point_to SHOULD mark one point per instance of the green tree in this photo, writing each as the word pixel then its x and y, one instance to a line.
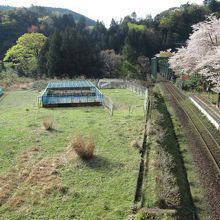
pixel 111 63
pixel 143 66
pixel 116 35
pixel 76 53
pixel 98 36
pixel 129 71
pixel 213 5
pixel 54 61
pixel 70 52
pixel 24 55
pixel 81 24
pixel 42 60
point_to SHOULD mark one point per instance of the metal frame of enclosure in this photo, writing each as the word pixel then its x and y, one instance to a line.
pixel 71 93
pixel 1 91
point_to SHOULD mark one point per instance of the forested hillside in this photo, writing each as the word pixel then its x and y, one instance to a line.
pixel 72 47
pixel 16 21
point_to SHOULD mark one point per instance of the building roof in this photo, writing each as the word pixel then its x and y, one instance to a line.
pixel 216 90
pixel 70 84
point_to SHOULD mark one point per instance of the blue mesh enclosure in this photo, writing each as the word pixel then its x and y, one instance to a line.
pixel 70 92
pixel 1 91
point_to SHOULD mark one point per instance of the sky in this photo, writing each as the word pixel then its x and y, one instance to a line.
pixel 105 10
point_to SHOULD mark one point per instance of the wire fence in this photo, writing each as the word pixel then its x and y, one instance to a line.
pixel 109 105
pixel 137 88
pixel 140 90
pixel 134 87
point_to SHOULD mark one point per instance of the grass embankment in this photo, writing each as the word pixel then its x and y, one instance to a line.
pixel 197 191
pixel 166 185
pixel 212 97
pixel 40 176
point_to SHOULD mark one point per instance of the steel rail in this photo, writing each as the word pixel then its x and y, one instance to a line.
pixel 209 151
pixel 181 96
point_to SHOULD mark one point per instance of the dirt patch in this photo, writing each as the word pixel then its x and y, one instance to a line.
pixel 8 183
pixel 17 83
pixel 24 86
pixel 32 179
pixel 27 155
pixel 45 174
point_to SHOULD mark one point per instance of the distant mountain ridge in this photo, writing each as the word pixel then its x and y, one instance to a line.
pixel 6 7
pixel 49 10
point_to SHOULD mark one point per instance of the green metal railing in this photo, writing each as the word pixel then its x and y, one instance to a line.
pixel 161 65
pixel 164 68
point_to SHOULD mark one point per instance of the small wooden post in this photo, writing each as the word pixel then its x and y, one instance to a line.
pixel 129 109
pixel 112 109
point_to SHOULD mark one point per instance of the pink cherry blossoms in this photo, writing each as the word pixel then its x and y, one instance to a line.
pixel 202 52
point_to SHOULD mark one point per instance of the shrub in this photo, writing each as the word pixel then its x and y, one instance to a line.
pixel 83 146
pixel 48 124
pixel 193 83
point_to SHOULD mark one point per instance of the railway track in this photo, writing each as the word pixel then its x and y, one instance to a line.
pixel 216 112
pixel 211 143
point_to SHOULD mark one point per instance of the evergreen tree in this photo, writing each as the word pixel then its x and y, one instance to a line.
pixel 213 6
pixel 54 62
pixel 81 25
pixel 98 36
pixel 69 52
pixel 116 36
pixel 42 60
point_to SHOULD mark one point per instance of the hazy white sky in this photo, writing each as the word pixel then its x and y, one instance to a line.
pixel 105 10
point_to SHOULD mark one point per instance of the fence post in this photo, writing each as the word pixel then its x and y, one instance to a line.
pixel 112 109
pixel 129 109
pixel 145 102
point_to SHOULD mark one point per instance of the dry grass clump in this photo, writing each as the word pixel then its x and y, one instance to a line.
pixel 48 124
pixel 137 143
pixel 83 146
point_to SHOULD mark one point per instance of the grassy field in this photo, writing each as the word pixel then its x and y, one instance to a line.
pixel 42 178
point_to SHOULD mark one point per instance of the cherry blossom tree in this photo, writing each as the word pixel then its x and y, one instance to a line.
pixel 202 52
